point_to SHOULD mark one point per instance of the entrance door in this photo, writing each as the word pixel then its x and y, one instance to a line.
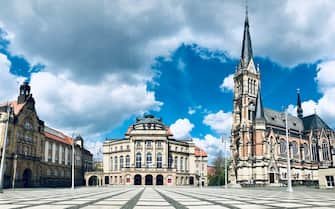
pixel 159 180
pixel 148 180
pixel 137 179
pixel 272 178
pixel 26 177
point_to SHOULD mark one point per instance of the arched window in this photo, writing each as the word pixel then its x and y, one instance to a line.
pixel 159 160
pixel 282 147
pixel 138 160
pixel 314 152
pixel 111 163
pixel 186 164
pixel 181 163
pixel 325 153
pixel 121 162
pixel 149 160
pixel 176 162
pixel 115 163
pixel 127 161
pixel 295 149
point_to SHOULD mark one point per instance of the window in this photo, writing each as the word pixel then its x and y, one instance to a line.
pixel 121 148
pixel 314 152
pixel 330 181
pixel 295 149
pixel 27 125
pixel 138 143
pixel 121 162
pixel 138 160
pixel 306 152
pixel 170 161
pixel 159 144
pixel 127 147
pixel 115 163
pixel 127 161
pixel 181 163
pixel 282 146
pixel 176 162
pixel 186 164
pixel 148 144
pixel 149 160
pixel 111 163
pixel 159 160
pixel 325 153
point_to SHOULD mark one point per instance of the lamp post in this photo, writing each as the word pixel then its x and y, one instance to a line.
pixel 72 180
pixel 289 180
pixel 224 141
pixel 3 157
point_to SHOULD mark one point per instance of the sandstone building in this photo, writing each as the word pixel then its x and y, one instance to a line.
pixel 149 155
pixel 258 135
pixel 37 155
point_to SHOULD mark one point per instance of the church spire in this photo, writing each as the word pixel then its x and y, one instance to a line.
pixel 246 54
pixel 259 105
pixel 299 107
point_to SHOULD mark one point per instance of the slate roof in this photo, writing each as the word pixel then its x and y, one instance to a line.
pixel 275 118
pixel 314 122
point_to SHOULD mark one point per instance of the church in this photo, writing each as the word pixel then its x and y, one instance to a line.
pixel 258 135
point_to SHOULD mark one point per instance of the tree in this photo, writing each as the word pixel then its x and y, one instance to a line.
pixel 218 179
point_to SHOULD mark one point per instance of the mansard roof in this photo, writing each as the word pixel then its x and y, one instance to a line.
pixel 275 118
pixel 314 122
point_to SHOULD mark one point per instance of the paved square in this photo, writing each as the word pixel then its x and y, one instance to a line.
pixel 165 198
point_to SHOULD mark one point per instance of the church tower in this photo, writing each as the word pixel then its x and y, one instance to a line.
pixel 247 101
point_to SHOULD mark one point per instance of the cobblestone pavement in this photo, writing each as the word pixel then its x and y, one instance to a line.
pixel 165 198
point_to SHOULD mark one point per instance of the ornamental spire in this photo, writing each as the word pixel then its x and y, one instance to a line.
pixel 259 105
pixel 299 107
pixel 246 54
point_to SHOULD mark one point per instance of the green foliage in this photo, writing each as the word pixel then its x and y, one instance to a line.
pixel 218 179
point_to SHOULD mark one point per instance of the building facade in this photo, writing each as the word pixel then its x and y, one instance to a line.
pixel 37 155
pixel 149 155
pixel 258 135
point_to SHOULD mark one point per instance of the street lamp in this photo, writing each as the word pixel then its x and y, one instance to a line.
pixel 72 185
pixel 289 180
pixel 224 141
pixel 3 157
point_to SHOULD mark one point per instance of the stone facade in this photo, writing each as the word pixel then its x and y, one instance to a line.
pixel 258 136
pixel 148 155
pixel 37 155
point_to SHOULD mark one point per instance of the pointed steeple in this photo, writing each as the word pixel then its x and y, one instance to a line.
pixel 299 107
pixel 259 106
pixel 246 54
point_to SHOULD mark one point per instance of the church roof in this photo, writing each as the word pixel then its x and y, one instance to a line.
pixel 314 122
pixel 16 107
pixel 275 118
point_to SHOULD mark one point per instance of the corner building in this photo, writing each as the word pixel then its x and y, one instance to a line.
pixel 149 155
pixel 258 135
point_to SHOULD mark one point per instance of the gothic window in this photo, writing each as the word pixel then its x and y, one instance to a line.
pixel 121 162
pixel 314 152
pixel 27 125
pixel 138 160
pixel 115 163
pixel 127 161
pixel 295 149
pixel 159 160
pixel 325 151
pixel 149 160
pixel 282 147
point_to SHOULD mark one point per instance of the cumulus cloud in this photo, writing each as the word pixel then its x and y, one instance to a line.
pixel 227 83
pixel 8 82
pixel 181 129
pixel 220 122
pixel 326 84
pixel 89 109
pixel 212 145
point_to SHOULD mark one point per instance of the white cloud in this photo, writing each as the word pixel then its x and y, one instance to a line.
pixel 192 110
pixel 95 147
pixel 89 109
pixel 228 83
pixel 8 82
pixel 326 84
pixel 220 122
pixel 182 128
pixel 212 146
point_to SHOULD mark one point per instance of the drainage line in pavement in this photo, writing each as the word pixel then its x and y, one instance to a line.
pixel 173 202
pixel 133 201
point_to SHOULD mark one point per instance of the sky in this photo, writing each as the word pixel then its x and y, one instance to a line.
pixel 94 66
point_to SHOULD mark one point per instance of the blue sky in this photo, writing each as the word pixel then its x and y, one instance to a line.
pixel 94 77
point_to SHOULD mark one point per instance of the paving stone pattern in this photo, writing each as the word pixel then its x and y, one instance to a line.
pixel 165 198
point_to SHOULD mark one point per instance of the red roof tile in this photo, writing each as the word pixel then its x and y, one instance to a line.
pixel 198 152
